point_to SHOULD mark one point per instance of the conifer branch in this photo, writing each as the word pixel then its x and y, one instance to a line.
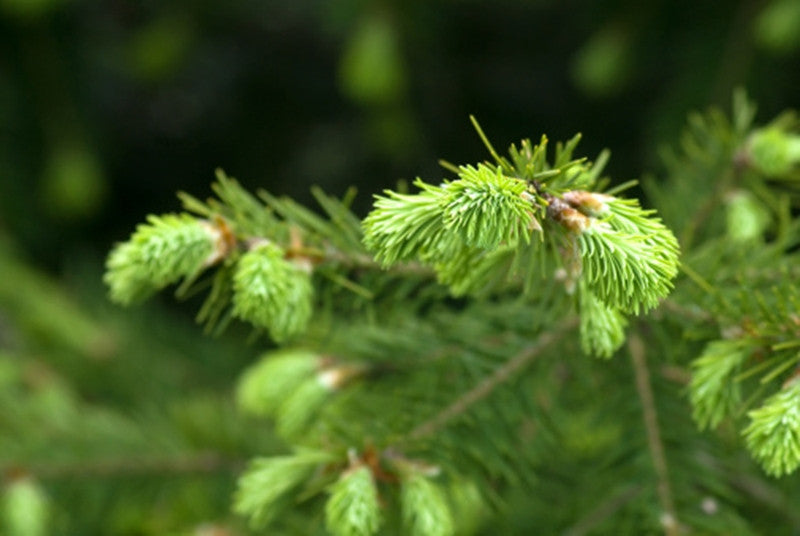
pixel 463 403
pixel 637 350
pixel 203 462
pixel 604 510
pixel 528 236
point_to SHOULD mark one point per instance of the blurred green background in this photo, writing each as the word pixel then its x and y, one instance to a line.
pixel 108 108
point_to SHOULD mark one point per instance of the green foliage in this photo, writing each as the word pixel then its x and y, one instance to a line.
pixel 25 508
pixel 602 328
pixel 265 487
pixel 746 217
pixel 268 383
pixel 353 508
pixel 158 254
pixel 628 257
pixel 624 270
pixel 774 151
pixel 425 508
pixel 404 226
pixel 490 388
pixel 773 435
pixel 123 420
pixel 299 408
pixel 487 209
pixel 713 392
pixel 272 292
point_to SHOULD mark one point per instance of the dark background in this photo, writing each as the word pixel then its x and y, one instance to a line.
pixel 108 108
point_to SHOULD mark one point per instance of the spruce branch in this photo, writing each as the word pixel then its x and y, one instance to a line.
pixel 624 270
pixel 402 226
pixel 464 402
pixel 201 462
pixel 596 253
pixel 713 392
pixel 773 435
pixel 602 328
pixel 353 508
pixel 272 292
pixel 487 208
pixel 25 508
pixel 425 507
pixel 264 488
pixel 266 385
pixel 159 253
pixel 775 152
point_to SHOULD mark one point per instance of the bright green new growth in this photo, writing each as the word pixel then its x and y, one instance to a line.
pixel 712 391
pixel 774 151
pixel 24 508
pixel 267 384
pixel 272 292
pixel 746 218
pixel 602 327
pixel 629 257
pixel 486 208
pixel 299 408
pixel 626 271
pixel 475 233
pixel 353 509
pixel 773 435
pixel 267 482
pixel 158 254
pixel 405 226
pixel 424 506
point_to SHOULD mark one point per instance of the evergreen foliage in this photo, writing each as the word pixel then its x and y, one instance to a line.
pixel 773 434
pixel 425 508
pixel 353 508
pixel 272 292
pixel 411 412
pixel 268 481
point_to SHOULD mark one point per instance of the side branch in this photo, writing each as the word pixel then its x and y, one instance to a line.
pixel 203 462
pixel 485 388
pixel 637 351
